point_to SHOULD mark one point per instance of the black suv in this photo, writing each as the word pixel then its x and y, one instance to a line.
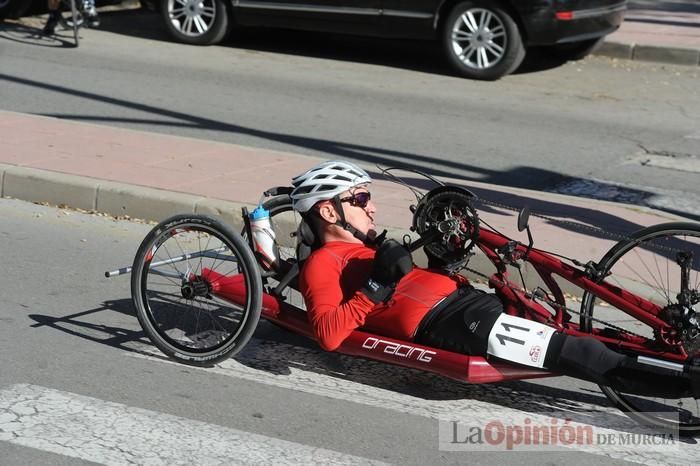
pixel 482 39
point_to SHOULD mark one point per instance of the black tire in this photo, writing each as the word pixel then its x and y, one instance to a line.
pixel 14 9
pixel 487 53
pixel 194 327
pixel 576 50
pixel 649 251
pixel 194 25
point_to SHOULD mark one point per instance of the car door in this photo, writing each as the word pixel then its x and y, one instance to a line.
pixel 353 16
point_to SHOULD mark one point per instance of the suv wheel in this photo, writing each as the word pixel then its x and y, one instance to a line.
pixel 197 22
pixel 482 41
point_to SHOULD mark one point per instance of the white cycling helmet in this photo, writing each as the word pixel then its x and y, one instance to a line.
pixel 325 181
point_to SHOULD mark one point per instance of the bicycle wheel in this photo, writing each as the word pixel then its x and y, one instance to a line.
pixel 172 290
pixel 285 222
pixel 648 265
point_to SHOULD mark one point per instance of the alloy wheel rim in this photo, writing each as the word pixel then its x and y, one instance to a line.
pixel 192 17
pixel 479 38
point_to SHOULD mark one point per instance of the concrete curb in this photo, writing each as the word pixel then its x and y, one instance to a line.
pixel 650 53
pixel 117 199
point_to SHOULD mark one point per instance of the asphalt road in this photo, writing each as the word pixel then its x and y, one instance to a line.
pixel 599 127
pixel 79 382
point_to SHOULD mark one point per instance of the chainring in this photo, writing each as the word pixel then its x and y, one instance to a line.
pixel 446 216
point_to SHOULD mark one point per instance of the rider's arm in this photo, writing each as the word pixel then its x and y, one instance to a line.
pixel 332 317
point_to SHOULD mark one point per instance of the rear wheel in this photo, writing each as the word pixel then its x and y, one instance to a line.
pixel 197 22
pixel 482 41
pixel 171 287
pixel 649 265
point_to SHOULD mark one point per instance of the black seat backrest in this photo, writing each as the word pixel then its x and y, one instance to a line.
pixel 306 241
pixel 306 244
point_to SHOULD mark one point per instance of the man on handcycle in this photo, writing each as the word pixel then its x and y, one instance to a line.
pixel 348 284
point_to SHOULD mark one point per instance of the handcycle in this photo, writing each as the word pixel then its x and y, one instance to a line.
pixel 199 288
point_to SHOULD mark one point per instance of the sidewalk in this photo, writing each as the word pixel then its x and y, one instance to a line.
pixel 152 176
pixel 665 31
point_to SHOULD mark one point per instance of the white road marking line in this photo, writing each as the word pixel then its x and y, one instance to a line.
pixel 115 434
pixel 381 385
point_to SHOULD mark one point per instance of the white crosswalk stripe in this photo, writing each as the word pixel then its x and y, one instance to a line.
pixel 389 387
pixel 116 434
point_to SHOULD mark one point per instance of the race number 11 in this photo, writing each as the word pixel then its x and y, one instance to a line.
pixel 519 340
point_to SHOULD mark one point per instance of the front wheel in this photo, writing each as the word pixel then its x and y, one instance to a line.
pixel 173 283
pixel 662 265
pixel 482 41
pixel 196 22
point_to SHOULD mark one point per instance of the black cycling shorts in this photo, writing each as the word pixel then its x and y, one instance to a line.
pixel 461 322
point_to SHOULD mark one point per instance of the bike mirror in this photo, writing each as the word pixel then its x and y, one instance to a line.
pixel 523 218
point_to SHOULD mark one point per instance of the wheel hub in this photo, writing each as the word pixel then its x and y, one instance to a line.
pixel 197 287
pixel 194 8
pixel 686 323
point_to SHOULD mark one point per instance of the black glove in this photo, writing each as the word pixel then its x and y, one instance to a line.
pixel 391 262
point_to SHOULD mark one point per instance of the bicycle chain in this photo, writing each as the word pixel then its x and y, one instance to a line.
pixel 575 225
pixel 552 303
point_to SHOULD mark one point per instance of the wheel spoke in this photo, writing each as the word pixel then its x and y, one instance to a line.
pixel 460 35
pixel 485 20
pixel 498 31
pixel 470 21
pixel 201 24
pixel 483 58
pixel 467 53
pixel 495 49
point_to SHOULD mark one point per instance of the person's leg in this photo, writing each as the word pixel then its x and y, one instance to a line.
pixel 54 15
pixel 588 359
pixel 475 324
pixel 581 357
pixel 93 19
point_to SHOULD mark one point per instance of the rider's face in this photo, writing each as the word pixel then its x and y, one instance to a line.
pixel 359 209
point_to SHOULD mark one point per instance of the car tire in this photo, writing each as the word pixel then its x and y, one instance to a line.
pixel 196 22
pixel 482 41
pixel 576 50
pixel 14 8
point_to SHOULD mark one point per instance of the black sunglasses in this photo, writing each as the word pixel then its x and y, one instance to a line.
pixel 360 199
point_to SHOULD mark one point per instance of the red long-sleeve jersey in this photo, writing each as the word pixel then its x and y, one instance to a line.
pixel 330 282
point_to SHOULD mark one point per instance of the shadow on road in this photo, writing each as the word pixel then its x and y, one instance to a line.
pixel 21 33
pixel 278 352
pixel 524 177
pixel 80 325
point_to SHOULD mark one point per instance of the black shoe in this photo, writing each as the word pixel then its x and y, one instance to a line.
pixel 93 20
pixel 50 27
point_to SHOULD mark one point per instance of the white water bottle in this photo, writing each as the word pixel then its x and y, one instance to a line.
pixel 263 236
